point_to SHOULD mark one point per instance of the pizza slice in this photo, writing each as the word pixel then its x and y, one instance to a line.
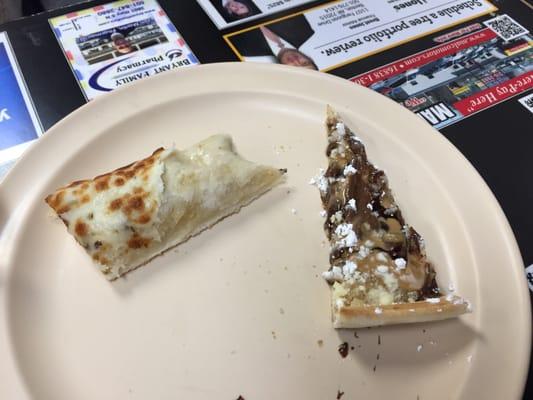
pixel 379 273
pixel 128 216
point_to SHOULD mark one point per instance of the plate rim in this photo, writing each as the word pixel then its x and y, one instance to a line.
pixel 10 367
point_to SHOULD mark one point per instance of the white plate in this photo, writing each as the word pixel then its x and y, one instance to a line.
pixel 239 310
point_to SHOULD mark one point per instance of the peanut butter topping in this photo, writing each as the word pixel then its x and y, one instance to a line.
pixel 375 257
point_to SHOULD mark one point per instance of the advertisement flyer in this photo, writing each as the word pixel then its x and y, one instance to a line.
pixel 114 44
pixel 226 13
pixel 19 124
pixel 451 81
pixel 342 32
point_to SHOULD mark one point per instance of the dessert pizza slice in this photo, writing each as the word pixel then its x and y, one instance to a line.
pixel 379 271
pixel 128 216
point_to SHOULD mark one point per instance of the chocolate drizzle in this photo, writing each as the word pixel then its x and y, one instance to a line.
pixel 381 231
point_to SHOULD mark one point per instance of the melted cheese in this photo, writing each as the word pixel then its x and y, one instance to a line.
pixel 126 217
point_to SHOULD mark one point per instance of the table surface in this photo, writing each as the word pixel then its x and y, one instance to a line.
pixel 497 143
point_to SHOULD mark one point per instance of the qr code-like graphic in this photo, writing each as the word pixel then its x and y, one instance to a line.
pixel 527 102
pixel 506 27
pixel 529 276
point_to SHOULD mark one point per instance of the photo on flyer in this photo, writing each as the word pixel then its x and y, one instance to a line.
pixel 339 33
pixel 227 13
pixel 114 44
pixel 124 39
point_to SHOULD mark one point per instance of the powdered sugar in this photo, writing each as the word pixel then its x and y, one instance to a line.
pixel 346 235
pixel 363 252
pixel 433 300
pixel 349 170
pixel 320 181
pixel 333 275
pixel 382 269
pixel 400 263
pixel 336 218
pixel 351 204
pixel 349 268
pixel 341 129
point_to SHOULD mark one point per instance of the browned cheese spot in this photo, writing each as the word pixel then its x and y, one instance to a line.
pixel 81 228
pixel 126 173
pixel 63 209
pixel 144 219
pixel 99 258
pixel 135 203
pixel 119 182
pixel 48 199
pixel 115 204
pixel 130 170
pixel 55 200
pixel 139 166
pixel 136 242
pixel 76 183
pixel 101 183
pixel 159 150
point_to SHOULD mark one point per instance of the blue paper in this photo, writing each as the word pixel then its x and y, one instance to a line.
pixel 16 125
pixel 19 124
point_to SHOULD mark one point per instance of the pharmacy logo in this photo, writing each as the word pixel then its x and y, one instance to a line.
pixel 174 53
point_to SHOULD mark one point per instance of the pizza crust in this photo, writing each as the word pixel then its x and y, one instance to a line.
pixel 392 314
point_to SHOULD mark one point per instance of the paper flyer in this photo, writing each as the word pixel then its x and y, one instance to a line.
pixel 19 124
pixel 342 32
pixel 457 79
pixel 112 45
pixel 226 13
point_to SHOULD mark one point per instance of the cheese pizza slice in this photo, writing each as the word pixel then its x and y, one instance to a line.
pixel 379 273
pixel 128 216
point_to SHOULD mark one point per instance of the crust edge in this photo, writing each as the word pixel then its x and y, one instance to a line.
pixel 401 313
